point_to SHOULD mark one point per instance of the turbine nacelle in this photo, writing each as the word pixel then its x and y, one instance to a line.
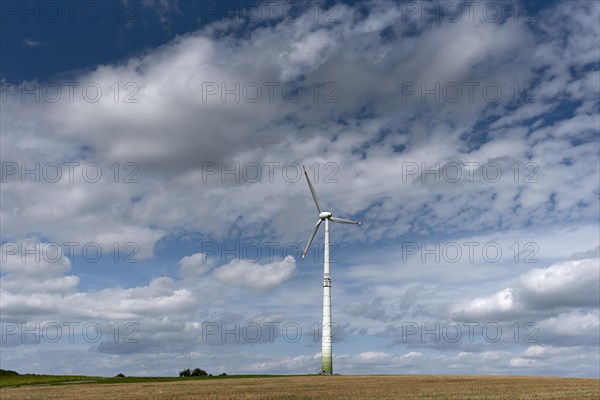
pixel 325 214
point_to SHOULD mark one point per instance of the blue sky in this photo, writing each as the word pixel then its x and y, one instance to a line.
pixel 154 211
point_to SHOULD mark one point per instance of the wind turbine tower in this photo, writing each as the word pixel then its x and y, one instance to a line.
pixel 326 350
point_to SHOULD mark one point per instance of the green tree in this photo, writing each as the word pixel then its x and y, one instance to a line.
pixel 199 372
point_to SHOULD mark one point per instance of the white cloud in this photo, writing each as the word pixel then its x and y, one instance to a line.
pixel 573 328
pixel 32 258
pixel 571 284
pixel 254 276
pixel 495 305
pixel 574 283
pixel 194 266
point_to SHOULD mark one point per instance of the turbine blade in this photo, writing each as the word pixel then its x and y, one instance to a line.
pixel 312 236
pixel 312 190
pixel 344 221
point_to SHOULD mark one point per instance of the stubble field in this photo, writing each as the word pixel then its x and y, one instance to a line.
pixel 322 387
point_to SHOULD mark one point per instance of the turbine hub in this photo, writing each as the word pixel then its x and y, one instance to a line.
pixel 325 215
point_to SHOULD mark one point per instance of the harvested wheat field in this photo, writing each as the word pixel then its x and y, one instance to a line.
pixel 322 387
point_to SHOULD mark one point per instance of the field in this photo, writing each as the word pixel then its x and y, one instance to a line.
pixel 34 379
pixel 319 387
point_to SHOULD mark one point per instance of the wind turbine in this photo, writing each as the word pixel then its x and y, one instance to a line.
pixel 326 353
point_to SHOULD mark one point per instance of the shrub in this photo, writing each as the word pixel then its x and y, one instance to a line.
pixel 119 376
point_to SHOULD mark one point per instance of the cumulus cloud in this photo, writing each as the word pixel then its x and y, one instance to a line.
pixel 32 258
pixel 570 284
pixel 255 277
pixel 52 293
pixel 194 266
pixel 574 283
pixel 495 305
pixel 573 328
pixel 42 269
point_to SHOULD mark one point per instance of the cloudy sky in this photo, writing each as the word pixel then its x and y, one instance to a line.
pixel 153 209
